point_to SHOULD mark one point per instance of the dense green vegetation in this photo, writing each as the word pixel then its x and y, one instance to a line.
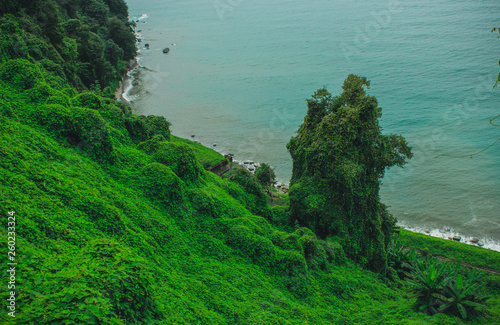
pixel 440 285
pixel 118 222
pixel 86 43
pixel 339 157
pixel 478 256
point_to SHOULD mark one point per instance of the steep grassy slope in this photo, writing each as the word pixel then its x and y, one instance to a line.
pixel 118 225
pixel 116 220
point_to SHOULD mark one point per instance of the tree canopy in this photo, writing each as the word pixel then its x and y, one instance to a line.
pixel 339 157
pixel 86 43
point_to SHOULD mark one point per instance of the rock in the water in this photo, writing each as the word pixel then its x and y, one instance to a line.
pixel 474 240
pixel 192 136
pixel 166 50
pixel 146 45
pixel 457 238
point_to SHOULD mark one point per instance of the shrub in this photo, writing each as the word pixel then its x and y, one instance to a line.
pixel 157 125
pixel 265 175
pixel 314 253
pixel 400 258
pixel 90 133
pixel 151 146
pixel 87 100
pixel 204 203
pixel 254 199
pixel 440 286
pixel 291 267
pixel 180 158
pixel 39 93
pixel 142 128
pixel 161 184
pixel 55 118
pixel 20 74
pixel 259 248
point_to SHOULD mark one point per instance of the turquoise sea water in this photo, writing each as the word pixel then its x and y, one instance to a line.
pixel 239 71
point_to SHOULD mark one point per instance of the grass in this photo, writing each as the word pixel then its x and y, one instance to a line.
pixel 206 156
pixel 477 256
pixel 134 233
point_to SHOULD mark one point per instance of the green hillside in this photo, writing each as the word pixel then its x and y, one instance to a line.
pixel 118 222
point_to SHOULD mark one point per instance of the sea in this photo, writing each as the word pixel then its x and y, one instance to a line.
pixel 238 73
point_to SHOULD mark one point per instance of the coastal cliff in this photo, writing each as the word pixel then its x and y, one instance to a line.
pixel 111 219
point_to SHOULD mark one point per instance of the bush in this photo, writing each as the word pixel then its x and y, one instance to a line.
pixel 291 267
pixel 254 199
pixel 265 175
pixel 259 248
pixel 180 158
pixel 55 118
pixel 157 125
pixel 440 286
pixel 20 74
pixel 142 128
pixel 90 133
pixel 161 184
pixel 151 146
pixel 87 100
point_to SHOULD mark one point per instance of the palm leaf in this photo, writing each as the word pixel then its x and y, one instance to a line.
pixel 462 311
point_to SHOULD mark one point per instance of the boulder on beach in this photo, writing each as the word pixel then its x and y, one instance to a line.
pixel 474 240
pixel 166 50
pixel 457 238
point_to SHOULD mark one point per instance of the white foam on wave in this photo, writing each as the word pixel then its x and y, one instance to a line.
pixel 129 82
pixel 448 233
pixel 144 16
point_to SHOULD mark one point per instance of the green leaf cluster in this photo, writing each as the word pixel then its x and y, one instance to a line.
pixel 444 287
pixel 86 43
pixel 339 157
pixel 118 223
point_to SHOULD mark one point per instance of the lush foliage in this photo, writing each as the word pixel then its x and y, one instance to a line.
pixel 440 286
pixel 118 223
pixel 265 175
pixel 453 250
pixel 339 156
pixel 148 237
pixel 86 43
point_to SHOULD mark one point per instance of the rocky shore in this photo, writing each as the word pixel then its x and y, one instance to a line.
pixel 126 81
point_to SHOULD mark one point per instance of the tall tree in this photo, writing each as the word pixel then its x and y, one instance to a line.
pixel 339 157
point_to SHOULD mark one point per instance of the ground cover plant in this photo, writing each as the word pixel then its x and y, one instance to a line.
pixel 118 222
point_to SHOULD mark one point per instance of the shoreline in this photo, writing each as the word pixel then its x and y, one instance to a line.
pixel 444 233
pixel 126 82
pixel 451 235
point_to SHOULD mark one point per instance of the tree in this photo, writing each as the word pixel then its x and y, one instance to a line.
pixel 339 157
pixel 265 175
pixel 123 36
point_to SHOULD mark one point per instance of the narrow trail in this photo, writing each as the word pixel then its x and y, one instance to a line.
pixel 486 269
